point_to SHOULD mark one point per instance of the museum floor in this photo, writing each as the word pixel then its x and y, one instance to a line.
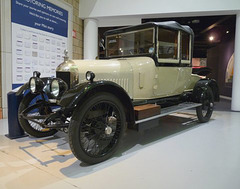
pixel 179 154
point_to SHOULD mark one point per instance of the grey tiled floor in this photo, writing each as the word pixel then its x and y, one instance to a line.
pixel 179 154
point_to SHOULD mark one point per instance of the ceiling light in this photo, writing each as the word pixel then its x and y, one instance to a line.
pixel 211 38
pixel 227 31
pixel 195 21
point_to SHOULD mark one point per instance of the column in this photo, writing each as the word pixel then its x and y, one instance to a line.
pixel 236 74
pixel 6 52
pixel 90 38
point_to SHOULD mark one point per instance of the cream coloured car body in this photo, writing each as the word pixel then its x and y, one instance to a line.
pixel 139 76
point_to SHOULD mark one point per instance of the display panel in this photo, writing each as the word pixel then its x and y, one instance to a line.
pixel 39 38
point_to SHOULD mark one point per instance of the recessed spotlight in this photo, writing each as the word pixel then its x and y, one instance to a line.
pixel 196 21
pixel 227 31
pixel 211 38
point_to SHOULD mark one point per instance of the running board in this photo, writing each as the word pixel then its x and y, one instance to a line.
pixel 152 121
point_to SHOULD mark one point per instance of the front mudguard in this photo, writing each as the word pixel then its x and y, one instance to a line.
pixel 76 96
pixel 202 85
pixel 22 89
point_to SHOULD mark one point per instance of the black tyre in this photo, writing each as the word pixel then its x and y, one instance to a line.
pixel 96 128
pixel 204 112
pixel 30 127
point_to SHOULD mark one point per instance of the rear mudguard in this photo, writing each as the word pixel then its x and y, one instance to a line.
pixel 203 84
pixel 76 96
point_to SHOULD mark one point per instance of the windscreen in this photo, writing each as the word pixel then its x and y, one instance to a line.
pixel 130 43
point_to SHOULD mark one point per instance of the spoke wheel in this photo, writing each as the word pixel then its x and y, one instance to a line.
pixel 96 128
pixel 31 127
pixel 204 112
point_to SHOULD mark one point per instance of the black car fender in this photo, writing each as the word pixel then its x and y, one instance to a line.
pixel 22 89
pixel 80 93
pixel 203 84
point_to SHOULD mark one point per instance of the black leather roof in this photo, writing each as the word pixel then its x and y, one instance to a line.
pixel 169 24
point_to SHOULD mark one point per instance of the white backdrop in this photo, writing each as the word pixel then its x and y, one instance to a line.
pixel 149 8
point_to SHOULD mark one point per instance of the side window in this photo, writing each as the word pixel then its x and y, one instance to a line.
pixel 168 45
pixel 185 47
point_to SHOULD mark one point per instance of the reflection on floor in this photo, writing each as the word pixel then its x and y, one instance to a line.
pixel 180 153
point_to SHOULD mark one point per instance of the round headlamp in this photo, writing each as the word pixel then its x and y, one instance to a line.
pixel 90 76
pixel 58 87
pixel 35 84
pixel 32 85
pixel 55 89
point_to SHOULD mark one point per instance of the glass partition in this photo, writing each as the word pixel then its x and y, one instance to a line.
pixel 167 44
pixel 131 43
pixel 185 47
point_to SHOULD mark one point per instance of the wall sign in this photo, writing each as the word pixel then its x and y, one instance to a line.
pixel 74 34
pixel 229 70
pixel 39 38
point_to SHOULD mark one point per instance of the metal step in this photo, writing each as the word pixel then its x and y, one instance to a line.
pixel 170 110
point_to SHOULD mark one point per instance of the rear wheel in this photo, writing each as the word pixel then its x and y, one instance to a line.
pixel 30 127
pixel 96 128
pixel 204 112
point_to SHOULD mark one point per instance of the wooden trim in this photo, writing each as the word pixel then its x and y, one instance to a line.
pixel 147 110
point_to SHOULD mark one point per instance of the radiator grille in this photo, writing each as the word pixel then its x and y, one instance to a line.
pixel 65 76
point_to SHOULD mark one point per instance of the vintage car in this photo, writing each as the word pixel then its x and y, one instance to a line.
pixel 146 73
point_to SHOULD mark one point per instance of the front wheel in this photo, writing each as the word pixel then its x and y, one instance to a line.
pixel 31 127
pixel 204 112
pixel 96 128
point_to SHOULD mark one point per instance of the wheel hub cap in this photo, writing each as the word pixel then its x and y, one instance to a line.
pixel 211 104
pixel 108 130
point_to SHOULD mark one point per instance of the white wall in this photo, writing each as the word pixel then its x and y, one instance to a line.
pixel 118 21
pixel 6 44
pixel 151 8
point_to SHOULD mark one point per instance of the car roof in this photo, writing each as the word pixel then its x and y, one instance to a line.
pixel 168 25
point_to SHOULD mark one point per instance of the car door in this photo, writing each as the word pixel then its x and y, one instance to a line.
pixel 166 78
pixel 185 69
pixel 167 70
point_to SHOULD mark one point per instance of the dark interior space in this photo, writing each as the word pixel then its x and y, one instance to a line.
pixel 213 45
pixel 218 60
pixel 221 28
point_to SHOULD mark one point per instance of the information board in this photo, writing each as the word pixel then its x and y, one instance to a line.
pixel 39 38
